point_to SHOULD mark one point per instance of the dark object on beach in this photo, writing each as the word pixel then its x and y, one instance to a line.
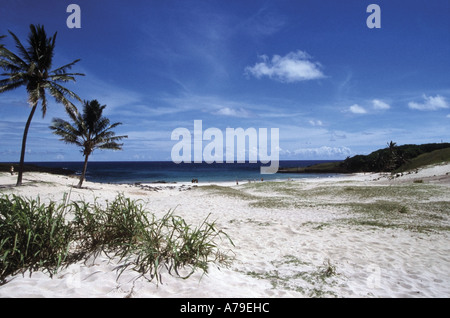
pixel 12 170
pixel 194 181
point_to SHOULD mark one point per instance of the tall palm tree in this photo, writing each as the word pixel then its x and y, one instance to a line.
pixel 32 68
pixel 89 130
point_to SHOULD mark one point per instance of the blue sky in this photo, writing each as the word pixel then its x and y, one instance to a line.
pixel 313 69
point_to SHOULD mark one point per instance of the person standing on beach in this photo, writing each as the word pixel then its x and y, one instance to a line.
pixel 12 170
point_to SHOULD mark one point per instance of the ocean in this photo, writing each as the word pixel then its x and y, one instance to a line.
pixel 167 171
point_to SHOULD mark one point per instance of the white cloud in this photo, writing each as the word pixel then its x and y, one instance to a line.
pixel 316 123
pixel 227 111
pixel 323 152
pixel 293 67
pixel 448 116
pixel 431 103
pixel 380 105
pixel 356 109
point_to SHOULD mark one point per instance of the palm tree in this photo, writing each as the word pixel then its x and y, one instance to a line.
pixel 89 130
pixel 391 145
pixel 32 69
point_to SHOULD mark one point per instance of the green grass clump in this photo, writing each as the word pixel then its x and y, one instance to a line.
pixel 36 236
pixel 33 236
pixel 117 226
pixel 171 242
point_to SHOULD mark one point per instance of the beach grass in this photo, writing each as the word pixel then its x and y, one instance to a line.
pixel 292 273
pixel 36 236
pixel 33 235
pixel 356 206
pixel 430 158
pixel 412 206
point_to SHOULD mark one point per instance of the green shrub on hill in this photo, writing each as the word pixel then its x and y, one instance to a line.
pixel 390 159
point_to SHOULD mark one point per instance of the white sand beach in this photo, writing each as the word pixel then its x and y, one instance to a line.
pixel 362 235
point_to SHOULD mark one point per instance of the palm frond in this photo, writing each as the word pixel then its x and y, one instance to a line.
pixel 41 49
pixel 73 113
pixel 10 61
pixel 14 76
pixel 66 131
pixel 117 138
pixel 61 94
pixel 67 77
pixel 100 125
pixel 62 70
pixel 21 48
pixel 111 146
pixel 114 125
pixel 9 86
pixel 61 91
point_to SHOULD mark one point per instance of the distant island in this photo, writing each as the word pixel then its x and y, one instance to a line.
pixel 392 159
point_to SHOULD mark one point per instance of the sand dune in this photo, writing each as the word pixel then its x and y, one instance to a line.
pixel 334 237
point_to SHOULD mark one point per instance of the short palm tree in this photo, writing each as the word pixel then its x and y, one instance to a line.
pixel 89 130
pixel 32 68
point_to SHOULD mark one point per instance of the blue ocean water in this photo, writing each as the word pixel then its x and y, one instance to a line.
pixel 167 171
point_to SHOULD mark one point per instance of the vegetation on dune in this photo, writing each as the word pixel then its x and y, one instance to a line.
pixel 32 236
pixel 416 206
pixel 346 206
pixel 36 236
pixel 428 158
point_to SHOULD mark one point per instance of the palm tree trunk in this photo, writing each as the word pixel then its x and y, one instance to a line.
pixel 84 171
pixel 24 143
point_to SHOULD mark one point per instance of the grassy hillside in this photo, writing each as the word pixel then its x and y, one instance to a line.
pixel 429 158
pixel 390 159
pixel 327 167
